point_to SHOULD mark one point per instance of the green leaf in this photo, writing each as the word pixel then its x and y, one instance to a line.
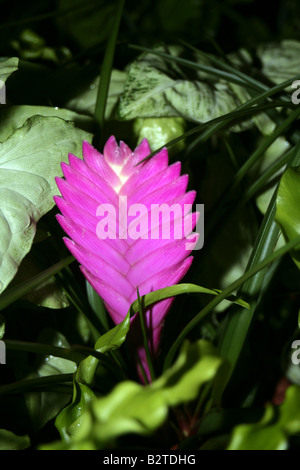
pixel 14 117
pixel 288 207
pixel 10 441
pixel 197 364
pixel 26 287
pixel 44 406
pixel 272 154
pixel 224 259
pixel 113 338
pixel 106 70
pixel 47 294
pixel 158 85
pixel 280 61
pixel 242 59
pixel 7 67
pixel 160 131
pixel 97 306
pixel 29 161
pixel 70 421
pixel 179 289
pixel 123 410
pixel 157 89
pixel 275 428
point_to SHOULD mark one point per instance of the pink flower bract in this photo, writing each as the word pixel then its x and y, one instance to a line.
pixel 116 267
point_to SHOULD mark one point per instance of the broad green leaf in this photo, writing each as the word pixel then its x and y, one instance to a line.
pixel 133 408
pixel 13 117
pixel 157 88
pixel 280 61
pixel 288 207
pixel 10 441
pixel 275 428
pixel 258 436
pixel 7 67
pixel 29 161
pixel 43 406
pixel 123 411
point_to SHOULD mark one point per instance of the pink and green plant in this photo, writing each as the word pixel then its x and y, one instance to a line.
pixel 116 266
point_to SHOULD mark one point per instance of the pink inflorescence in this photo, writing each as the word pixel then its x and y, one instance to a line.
pixel 119 264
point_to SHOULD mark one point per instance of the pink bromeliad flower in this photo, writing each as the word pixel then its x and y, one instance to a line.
pixel 130 226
